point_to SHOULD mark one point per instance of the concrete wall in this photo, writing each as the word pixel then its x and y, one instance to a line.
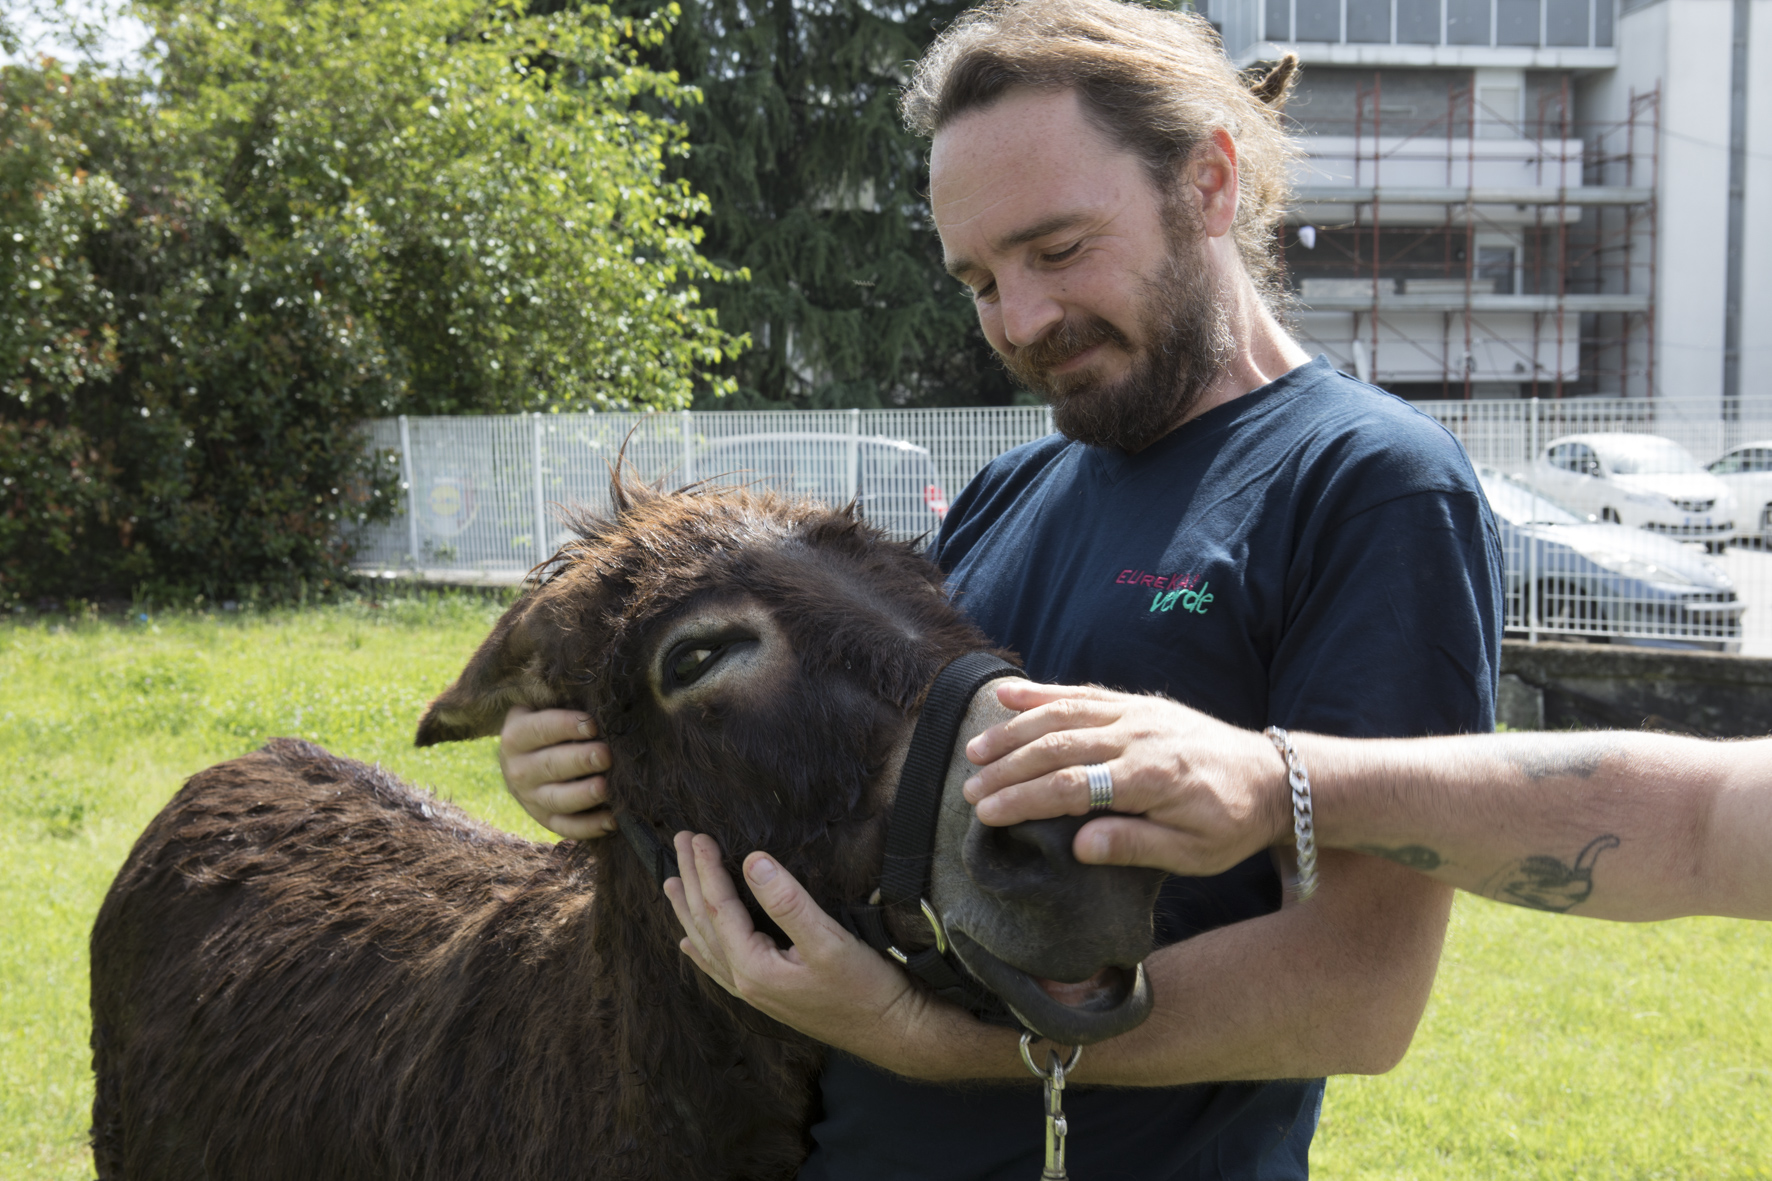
pixel 1756 288
pixel 1609 687
pixel 1683 45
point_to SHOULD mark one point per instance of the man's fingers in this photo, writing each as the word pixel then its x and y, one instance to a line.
pixel 1065 792
pixel 579 826
pixel 564 799
pixel 1040 740
pixel 559 763
pixel 1132 840
pixel 688 896
pixel 1022 695
pixel 1039 719
pixel 783 899
pixel 1049 755
pixel 527 730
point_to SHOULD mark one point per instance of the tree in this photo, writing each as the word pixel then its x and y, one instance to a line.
pixel 817 191
pixel 316 213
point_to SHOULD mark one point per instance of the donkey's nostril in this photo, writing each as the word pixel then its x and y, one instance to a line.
pixel 1021 859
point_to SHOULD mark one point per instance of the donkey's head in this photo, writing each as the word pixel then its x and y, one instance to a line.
pixel 757 666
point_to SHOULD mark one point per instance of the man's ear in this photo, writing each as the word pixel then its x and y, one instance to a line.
pixel 508 669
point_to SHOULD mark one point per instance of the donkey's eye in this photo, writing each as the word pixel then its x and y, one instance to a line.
pixel 688 665
pixel 700 653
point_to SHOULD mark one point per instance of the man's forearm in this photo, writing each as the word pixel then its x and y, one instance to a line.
pixel 1623 825
pixel 1330 987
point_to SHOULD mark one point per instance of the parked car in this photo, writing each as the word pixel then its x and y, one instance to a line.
pixel 1643 481
pixel 895 481
pixel 1747 473
pixel 1603 580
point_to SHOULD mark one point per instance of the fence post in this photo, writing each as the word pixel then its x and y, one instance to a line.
pixel 406 474
pixel 541 515
pixel 852 453
pixel 1530 598
pixel 688 422
pixel 1045 420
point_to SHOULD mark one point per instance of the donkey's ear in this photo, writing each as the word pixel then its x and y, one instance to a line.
pixel 1273 87
pixel 509 669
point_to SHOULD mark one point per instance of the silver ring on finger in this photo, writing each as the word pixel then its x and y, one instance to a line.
pixel 1101 787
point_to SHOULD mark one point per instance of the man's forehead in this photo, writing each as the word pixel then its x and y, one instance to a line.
pixel 1029 165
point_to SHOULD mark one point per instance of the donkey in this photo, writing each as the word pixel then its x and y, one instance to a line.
pixel 307 968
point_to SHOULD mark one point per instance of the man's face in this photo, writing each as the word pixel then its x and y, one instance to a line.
pixel 1089 281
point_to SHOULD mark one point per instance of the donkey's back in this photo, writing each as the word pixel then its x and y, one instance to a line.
pixel 292 942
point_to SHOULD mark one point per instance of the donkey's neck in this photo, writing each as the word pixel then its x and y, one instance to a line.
pixel 697 1079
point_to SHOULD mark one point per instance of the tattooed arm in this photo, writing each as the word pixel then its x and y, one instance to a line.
pixel 1623 825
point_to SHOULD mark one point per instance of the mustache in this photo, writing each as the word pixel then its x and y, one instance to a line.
pixel 1032 362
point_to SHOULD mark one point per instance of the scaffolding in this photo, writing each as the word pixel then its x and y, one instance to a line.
pixel 1477 249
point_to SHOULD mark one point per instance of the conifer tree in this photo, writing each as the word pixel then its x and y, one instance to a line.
pixel 818 191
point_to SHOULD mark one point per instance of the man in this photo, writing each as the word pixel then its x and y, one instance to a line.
pixel 1224 521
pixel 1628 826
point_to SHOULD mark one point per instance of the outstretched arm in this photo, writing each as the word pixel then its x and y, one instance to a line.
pixel 1621 825
pixel 1331 987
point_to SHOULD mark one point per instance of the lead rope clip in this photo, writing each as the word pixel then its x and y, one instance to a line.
pixel 1056 1128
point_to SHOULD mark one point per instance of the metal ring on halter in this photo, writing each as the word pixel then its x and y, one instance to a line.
pixel 935 925
pixel 1063 1068
pixel 1101 787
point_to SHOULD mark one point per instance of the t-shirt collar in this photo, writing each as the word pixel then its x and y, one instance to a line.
pixel 1114 463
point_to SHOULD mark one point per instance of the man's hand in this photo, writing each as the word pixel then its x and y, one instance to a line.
pixel 828 985
pixel 554 772
pixel 1200 796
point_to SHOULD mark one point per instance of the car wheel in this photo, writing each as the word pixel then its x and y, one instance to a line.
pixel 1611 514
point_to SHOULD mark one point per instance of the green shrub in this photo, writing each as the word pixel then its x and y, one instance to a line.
pixel 314 214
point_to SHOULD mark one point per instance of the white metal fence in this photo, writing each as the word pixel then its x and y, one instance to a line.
pixel 1637 555
pixel 481 492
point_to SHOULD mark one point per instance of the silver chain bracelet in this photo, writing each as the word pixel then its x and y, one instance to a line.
pixel 1304 831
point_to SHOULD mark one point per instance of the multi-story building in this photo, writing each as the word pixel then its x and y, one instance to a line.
pixel 1530 197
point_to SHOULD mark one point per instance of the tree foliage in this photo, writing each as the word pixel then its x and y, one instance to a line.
pixel 819 193
pixel 315 213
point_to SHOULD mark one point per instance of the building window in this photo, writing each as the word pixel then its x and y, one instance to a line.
pixel 1418 22
pixel 1279 20
pixel 1319 20
pixel 1467 22
pixel 1565 22
pixel 1369 22
pixel 1495 269
pixel 1516 22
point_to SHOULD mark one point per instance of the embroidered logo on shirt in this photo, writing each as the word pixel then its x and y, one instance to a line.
pixel 1186 591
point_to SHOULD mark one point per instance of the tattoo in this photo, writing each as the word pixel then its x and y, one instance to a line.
pixel 1418 857
pixel 1545 883
pixel 1554 761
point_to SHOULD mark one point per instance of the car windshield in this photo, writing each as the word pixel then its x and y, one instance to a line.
pixel 1646 455
pixel 1515 502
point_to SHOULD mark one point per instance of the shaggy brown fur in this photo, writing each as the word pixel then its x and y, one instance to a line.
pixel 307 969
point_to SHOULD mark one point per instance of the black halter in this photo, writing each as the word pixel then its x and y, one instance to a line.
pixel 910 840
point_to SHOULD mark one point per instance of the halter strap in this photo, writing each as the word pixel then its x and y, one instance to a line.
pixel 910 837
pixel 654 853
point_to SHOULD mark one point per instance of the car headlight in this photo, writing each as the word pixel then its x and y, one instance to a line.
pixel 1632 566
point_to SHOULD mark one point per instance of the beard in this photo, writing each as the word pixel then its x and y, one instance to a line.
pixel 1187 346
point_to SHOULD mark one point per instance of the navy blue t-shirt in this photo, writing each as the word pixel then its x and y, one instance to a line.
pixel 1316 554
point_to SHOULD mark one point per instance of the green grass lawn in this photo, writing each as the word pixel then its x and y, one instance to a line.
pixel 1553 1047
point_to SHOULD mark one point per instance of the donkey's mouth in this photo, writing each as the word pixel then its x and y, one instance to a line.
pixel 1107 1004
pixel 1104 990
